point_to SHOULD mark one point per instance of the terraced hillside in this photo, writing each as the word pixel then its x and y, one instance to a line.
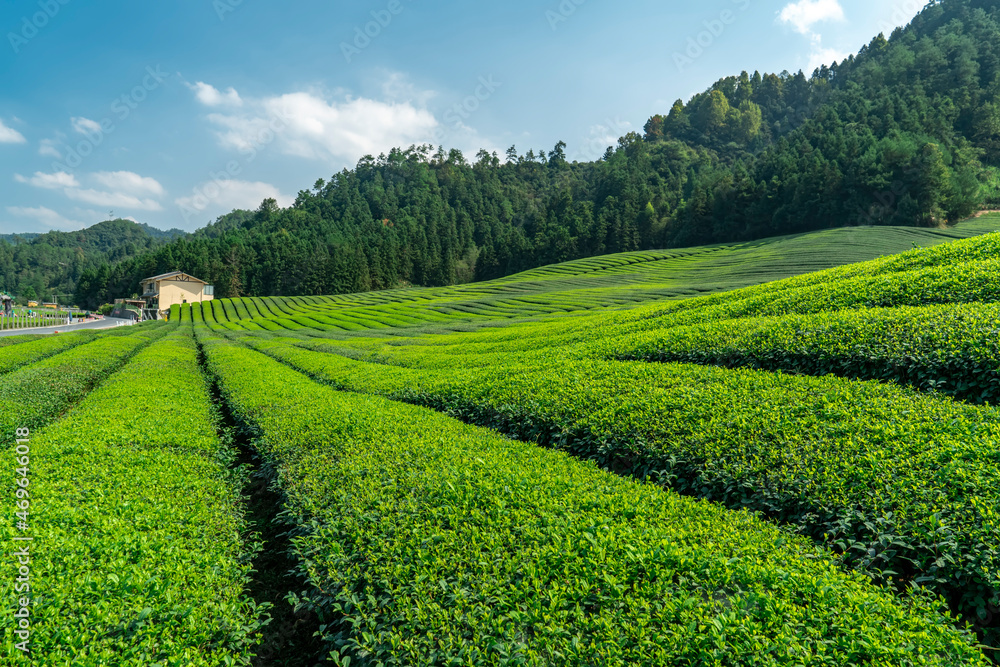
pixel 751 454
pixel 597 283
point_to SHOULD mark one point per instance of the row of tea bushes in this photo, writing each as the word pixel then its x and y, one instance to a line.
pixel 37 394
pixel 954 349
pixel 907 485
pixel 6 341
pixel 31 351
pixel 969 282
pixel 426 541
pixel 138 557
pixel 925 263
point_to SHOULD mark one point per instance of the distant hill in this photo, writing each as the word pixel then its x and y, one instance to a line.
pixel 18 238
pixel 905 132
pixel 39 265
pixel 170 234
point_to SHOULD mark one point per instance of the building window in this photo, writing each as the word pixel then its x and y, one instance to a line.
pixel 209 290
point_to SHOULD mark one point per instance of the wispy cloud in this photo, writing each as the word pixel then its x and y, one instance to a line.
pixel 129 182
pixel 114 199
pixel 311 125
pixel 48 148
pixel 86 126
pixel 60 179
pixel 9 135
pixel 802 16
pixel 123 189
pixel 222 196
pixel 46 217
pixel 211 96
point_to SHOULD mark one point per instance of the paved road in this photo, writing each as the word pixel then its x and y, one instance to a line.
pixel 106 323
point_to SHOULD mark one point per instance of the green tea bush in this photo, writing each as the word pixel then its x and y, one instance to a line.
pixel 22 355
pixel 425 541
pixel 138 558
pixel 37 394
pixel 906 485
pixel 954 349
pixel 7 341
pixel 969 282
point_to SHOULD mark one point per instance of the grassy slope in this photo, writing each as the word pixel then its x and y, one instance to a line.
pixel 598 283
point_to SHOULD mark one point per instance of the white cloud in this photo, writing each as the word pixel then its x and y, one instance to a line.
pixel 210 96
pixel 803 15
pixel 601 136
pixel 222 196
pixel 60 179
pixel 821 56
pixel 48 147
pixel 244 133
pixel 114 199
pixel 86 126
pixel 9 135
pixel 129 183
pixel 46 217
pixel 125 189
pixel 316 126
pixel 398 88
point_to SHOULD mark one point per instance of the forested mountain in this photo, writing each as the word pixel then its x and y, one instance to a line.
pixel 40 265
pixel 905 132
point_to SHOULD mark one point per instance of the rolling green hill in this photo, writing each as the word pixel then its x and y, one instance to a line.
pixel 758 449
pixel 37 266
pixel 620 280
pixel 731 396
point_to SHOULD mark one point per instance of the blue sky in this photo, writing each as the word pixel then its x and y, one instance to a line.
pixel 172 113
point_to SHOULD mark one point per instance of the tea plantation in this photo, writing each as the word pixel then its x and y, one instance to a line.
pixel 776 453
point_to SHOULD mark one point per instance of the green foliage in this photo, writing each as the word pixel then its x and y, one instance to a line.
pixel 632 278
pixel 857 465
pixel 6 341
pixel 39 265
pixel 37 394
pixel 138 558
pixel 36 350
pixel 953 349
pixel 424 541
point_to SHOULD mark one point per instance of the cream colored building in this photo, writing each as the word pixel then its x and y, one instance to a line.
pixel 161 292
